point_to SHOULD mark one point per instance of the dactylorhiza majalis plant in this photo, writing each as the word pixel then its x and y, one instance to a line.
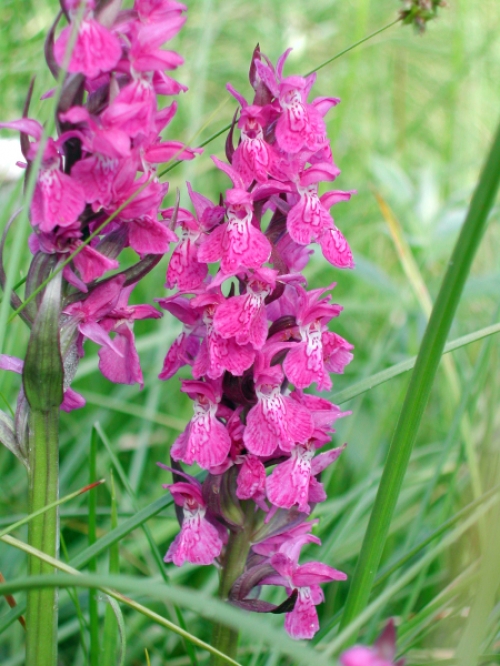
pixel 96 193
pixel 256 338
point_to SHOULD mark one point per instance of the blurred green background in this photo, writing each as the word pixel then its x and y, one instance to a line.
pixel 417 115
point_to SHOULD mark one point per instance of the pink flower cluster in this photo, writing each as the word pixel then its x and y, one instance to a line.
pixel 256 338
pixel 104 164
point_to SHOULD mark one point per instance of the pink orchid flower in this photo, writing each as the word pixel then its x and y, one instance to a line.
pixel 206 440
pixel 302 621
pixel 198 542
pixel 244 317
pixel 58 199
pixel 96 49
pixel 276 421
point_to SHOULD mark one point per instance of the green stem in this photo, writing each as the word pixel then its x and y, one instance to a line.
pixel 224 638
pixel 41 619
pixel 420 386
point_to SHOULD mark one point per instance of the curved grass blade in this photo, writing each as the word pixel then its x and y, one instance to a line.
pixel 412 552
pixel 99 547
pixel 200 603
pixel 404 366
pixel 420 386
pixel 26 519
pixel 22 232
pixel 92 538
pixel 118 616
pixel 149 536
pixel 350 631
pixel 110 619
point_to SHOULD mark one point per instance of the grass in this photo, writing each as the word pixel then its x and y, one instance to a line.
pixel 416 120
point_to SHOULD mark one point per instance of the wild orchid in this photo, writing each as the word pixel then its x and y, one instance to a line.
pixel 255 337
pixel 97 191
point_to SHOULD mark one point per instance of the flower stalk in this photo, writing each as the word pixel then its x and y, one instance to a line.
pixel 224 638
pixel 43 388
pixel 41 619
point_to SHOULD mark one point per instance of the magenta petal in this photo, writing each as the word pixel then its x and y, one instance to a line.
pixel 302 622
pixel 265 429
pixel 91 264
pixel 299 422
pixel 95 175
pixel 182 352
pixel 336 351
pixel 300 369
pixel 11 363
pixel 314 573
pixel 72 400
pixel 334 197
pixel 217 355
pixel 307 219
pixel 359 655
pixel 293 128
pixel 184 269
pixel 198 541
pixel 251 478
pixel 25 126
pixel 210 249
pixel 245 246
pixel 206 440
pixel 147 236
pixel 242 317
pixel 335 248
pixel 96 49
pixel 120 363
pixel 58 200
pixel 324 460
pixel 99 335
pixel 289 482
pixel 164 152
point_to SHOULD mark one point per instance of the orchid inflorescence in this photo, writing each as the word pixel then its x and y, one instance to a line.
pixel 252 329
pixel 254 335
pixel 99 180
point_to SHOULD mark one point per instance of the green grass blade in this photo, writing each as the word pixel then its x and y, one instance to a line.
pixel 404 366
pixel 92 537
pixel 123 478
pixel 110 621
pixel 122 531
pixel 101 583
pixel 420 385
pixel 117 615
pixel 353 46
pixel 412 552
pixel 129 408
pixel 99 547
pixel 254 627
pixel 349 631
pixel 73 595
pixel 152 544
pixel 469 647
pixel 26 519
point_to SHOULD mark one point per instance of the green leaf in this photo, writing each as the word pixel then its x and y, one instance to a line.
pixel 420 386
pixel 43 367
